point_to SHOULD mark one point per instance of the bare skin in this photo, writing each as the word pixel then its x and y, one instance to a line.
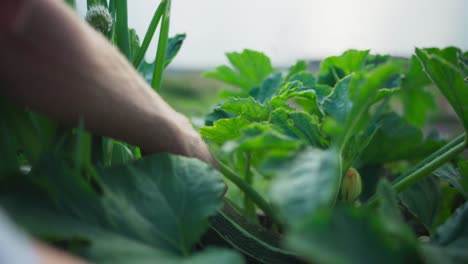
pixel 54 63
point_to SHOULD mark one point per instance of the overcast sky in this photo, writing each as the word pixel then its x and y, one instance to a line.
pixel 290 29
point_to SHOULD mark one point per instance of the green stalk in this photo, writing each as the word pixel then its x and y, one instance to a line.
pixel 433 156
pixel 162 47
pixel 149 34
pixel 112 11
pixel 428 165
pixel 254 196
pixel 123 41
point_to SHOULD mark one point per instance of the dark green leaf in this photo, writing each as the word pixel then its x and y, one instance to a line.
pixel 452 237
pixel 173 46
pixel 388 208
pixel 364 88
pixel 349 236
pixel 417 102
pixel 395 140
pixel 160 201
pixel 306 183
pixel 97 243
pixel 390 214
pixel 338 104
pixel 449 174
pixel 268 88
pixel 299 125
pixel 306 78
pixel 423 200
pixel 441 67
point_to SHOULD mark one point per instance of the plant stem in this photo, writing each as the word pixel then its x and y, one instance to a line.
pixel 248 205
pixel 425 167
pixel 254 196
pixel 429 167
pixel 162 47
pixel 123 41
pixel 149 34
pixel 434 155
pixel 113 12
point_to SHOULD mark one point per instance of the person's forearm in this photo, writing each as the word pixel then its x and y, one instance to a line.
pixel 54 63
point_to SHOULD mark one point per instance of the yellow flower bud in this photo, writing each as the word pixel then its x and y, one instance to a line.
pixel 351 186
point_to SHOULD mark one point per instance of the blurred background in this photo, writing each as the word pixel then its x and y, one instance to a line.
pixel 291 30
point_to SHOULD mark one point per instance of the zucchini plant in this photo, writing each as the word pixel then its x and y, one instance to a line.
pixel 330 166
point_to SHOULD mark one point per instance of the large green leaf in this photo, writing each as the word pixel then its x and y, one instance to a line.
pixel 224 129
pixel 96 243
pixel 268 88
pixel 441 67
pixel 423 200
pixel 449 174
pixel 160 201
pixel 348 235
pixel 249 69
pixel 334 68
pixel 417 102
pixel 248 108
pixel 452 236
pixel 363 90
pixel 293 95
pixel 300 125
pixel 390 213
pixel 167 199
pixel 356 235
pixel 338 104
pixel 306 183
pixel 396 140
pixel 262 138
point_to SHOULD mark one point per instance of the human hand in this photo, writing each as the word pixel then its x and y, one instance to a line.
pixel 55 63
